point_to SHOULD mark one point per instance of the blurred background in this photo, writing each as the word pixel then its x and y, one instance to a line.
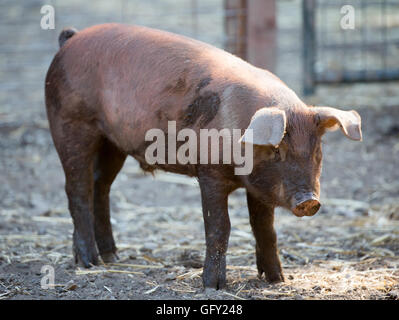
pixel 349 250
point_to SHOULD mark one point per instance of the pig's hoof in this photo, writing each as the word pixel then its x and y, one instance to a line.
pixel 210 287
pixel 109 257
pixel 214 275
pixel 214 282
pixel 275 278
pixel 86 262
pixel 86 259
pixel 271 277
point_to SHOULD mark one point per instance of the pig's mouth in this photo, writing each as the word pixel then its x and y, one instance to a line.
pixel 306 206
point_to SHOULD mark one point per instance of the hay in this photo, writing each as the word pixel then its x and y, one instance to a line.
pixel 137 266
pixel 80 272
pixel 233 295
pixel 151 290
pixel 183 290
pixel 352 284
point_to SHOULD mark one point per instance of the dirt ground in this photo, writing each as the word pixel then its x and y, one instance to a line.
pixel 349 250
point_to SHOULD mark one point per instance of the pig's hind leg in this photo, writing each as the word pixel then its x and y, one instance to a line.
pixel 77 143
pixel 261 218
pixel 108 162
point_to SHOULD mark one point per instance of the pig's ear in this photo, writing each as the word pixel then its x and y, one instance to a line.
pixel 348 121
pixel 267 127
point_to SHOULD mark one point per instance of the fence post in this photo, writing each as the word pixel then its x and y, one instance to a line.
pixel 308 45
pixel 261 33
pixel 235 25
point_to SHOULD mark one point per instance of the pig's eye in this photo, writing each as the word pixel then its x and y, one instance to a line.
pixel 277 154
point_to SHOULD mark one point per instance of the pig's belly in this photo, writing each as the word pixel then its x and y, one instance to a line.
pixel 128 134
pixel 186 169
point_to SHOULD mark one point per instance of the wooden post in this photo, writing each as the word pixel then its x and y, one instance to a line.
pixel 236 27
pixel 308 45
pixel 261 33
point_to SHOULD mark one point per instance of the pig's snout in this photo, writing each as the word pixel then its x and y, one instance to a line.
pixel 305 204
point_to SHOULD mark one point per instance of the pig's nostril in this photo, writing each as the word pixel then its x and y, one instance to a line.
pixel 307 208
pixel 314 208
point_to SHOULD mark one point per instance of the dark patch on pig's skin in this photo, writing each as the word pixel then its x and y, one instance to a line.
pixel 205 107
pixel 161 114
pixel 203 83
pixel 179 87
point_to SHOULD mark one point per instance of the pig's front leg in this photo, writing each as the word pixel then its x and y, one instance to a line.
pixel 261 218
pixel 217 231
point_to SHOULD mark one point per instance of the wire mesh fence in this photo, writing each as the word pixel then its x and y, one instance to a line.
pixel 26 50
pixel 336 51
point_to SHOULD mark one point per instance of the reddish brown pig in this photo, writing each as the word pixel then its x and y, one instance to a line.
pixel 109 84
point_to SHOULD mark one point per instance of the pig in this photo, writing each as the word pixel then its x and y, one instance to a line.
pixel 111 83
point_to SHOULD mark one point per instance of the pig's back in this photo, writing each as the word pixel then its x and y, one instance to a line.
pixel 145 57
pixel 134 78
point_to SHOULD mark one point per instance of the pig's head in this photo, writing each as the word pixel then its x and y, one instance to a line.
pixel 287 153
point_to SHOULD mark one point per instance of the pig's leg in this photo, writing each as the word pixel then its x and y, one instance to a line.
pixel 217 231
pixel 261 218
pixel 108 163
pixel 77 144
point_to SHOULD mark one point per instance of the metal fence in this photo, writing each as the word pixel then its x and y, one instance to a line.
pixel 336 52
